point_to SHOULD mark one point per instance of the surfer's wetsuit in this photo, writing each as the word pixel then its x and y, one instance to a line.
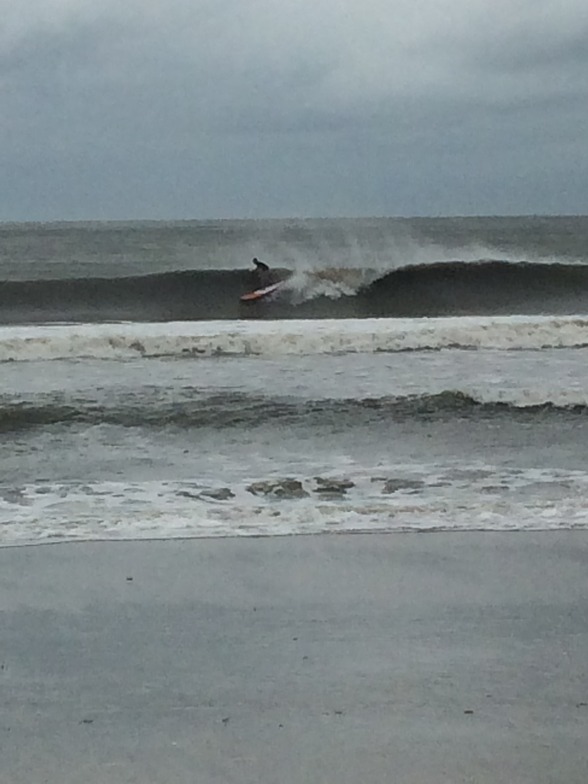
pixel 260 265
pixel 263 273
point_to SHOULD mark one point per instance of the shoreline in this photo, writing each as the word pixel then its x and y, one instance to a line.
pixel 433 531
pixel 307 658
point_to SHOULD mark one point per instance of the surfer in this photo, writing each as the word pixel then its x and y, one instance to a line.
pixel 260 265
pixel 267 281
pixel 262 271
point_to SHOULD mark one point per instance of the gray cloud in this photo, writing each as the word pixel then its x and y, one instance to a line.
pixel 183 108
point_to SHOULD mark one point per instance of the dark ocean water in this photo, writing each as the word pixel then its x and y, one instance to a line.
pixel 425 374
pixel 440 289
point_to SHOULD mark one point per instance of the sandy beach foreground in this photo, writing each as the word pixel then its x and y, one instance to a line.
pixel 418 659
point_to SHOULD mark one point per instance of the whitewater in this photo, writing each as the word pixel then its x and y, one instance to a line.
pixel 125 341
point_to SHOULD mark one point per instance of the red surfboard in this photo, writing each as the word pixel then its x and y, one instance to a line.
pixel 260 293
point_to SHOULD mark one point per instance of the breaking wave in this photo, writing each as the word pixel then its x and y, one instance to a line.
pixel 240 410
pixel 446 288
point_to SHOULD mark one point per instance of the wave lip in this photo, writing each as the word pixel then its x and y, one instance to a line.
pixel 280 338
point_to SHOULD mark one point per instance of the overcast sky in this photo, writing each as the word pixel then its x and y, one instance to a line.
pixel 115 109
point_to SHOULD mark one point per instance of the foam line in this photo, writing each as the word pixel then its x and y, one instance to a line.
pixel 278 338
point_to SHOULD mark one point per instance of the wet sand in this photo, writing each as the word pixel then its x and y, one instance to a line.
pixel 409 658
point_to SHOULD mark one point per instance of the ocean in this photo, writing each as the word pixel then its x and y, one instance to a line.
pixel 408 375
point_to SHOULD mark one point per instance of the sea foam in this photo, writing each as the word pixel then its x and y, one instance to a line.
pixel 296 337
pixel 412 498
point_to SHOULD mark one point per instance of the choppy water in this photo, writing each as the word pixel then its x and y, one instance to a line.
pixel 140 398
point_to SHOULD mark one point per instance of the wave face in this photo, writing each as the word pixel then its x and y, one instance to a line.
pixel 435 289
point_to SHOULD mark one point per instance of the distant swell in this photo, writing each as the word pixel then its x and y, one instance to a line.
pixel 442 289
pixel 239 410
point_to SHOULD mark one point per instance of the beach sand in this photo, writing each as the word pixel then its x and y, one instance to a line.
pixel 407 658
